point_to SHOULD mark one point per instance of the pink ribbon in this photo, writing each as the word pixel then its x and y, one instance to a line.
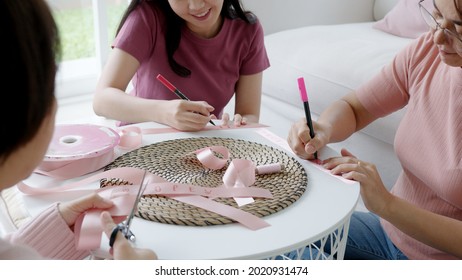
pixel 88 230
pixel 208 158
pixel 238 179
pixel 64 170
pixel 240 174
pixel 76 150
pixel 131 137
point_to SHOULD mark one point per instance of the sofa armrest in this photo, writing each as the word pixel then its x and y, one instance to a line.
pixel 277 15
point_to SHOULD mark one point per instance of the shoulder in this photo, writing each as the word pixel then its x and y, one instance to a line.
pixel 421 51
pixel 413 62
pixel 143 24
pixel 246 29
pixel 146 12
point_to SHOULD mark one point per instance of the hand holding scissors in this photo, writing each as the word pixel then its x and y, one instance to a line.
pixel 124 227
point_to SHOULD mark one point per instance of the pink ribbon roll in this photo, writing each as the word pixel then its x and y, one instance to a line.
pixel 269 168
pixel 78 149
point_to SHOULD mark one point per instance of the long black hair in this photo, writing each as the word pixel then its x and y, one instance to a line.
pixel 232 9
pixel 31 44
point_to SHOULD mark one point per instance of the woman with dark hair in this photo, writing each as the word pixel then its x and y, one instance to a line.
pixel 31 39
pixel 209 49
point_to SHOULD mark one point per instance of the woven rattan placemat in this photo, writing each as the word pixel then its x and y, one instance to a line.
pixel 173 160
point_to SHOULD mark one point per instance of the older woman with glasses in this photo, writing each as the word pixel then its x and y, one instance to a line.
pixel 421 218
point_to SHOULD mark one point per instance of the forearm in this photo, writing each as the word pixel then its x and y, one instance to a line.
pixel 249 110
pixel 49 235
pixel 344 117
pixel 340 121
pixel 116 104
pixel 435 230
pixel 248 97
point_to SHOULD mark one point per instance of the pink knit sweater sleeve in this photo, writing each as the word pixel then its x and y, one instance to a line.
pixel 49 235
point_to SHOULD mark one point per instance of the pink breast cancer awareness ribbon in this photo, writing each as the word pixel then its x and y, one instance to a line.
pixel 240 174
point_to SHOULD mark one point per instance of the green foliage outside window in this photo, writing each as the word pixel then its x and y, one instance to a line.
pixel 77 30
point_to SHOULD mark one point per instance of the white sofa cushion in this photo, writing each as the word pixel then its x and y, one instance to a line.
pixel 334 60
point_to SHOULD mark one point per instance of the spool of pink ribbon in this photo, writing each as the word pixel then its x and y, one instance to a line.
pixel 78 149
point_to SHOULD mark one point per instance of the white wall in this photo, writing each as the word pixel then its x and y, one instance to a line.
pixel 277 15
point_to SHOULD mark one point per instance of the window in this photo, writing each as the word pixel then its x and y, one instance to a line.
pixel 87 28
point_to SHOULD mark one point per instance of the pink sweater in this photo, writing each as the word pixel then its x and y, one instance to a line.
pixel 428 142
pixel 46 236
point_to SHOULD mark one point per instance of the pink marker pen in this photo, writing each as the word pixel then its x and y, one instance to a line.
pixel 173 89
pixel 304 96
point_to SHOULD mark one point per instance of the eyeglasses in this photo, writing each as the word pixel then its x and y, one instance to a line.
pixel 435 24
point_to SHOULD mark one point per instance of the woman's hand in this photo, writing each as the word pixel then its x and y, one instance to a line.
pixel 122 249
pixel 373 192
pixel 238 120
pixel 300 141
pixel 187 115
pixel 72 209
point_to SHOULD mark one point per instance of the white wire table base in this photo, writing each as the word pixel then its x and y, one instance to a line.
pixel 335 240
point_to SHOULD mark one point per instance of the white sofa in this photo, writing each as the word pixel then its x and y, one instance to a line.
pixel 332 44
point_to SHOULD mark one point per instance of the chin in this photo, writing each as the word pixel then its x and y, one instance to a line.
pixel 454 64
pixel 451 61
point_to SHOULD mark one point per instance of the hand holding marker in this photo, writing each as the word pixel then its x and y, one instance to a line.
pixel 304 96
pixel 173 89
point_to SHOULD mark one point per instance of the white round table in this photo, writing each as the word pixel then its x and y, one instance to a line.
pixel 322 212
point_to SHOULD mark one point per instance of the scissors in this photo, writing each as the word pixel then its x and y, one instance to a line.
pixel 124 226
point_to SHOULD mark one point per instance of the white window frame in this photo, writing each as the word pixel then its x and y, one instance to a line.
pixel 78 78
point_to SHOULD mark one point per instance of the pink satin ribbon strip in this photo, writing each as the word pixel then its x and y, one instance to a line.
pixel 88 230
pixel 207 157
pixel 131 137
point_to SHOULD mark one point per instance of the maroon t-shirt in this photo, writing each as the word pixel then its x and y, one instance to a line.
pixel 216 63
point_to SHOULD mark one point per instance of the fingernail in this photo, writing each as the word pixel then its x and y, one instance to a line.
pixel 310 149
